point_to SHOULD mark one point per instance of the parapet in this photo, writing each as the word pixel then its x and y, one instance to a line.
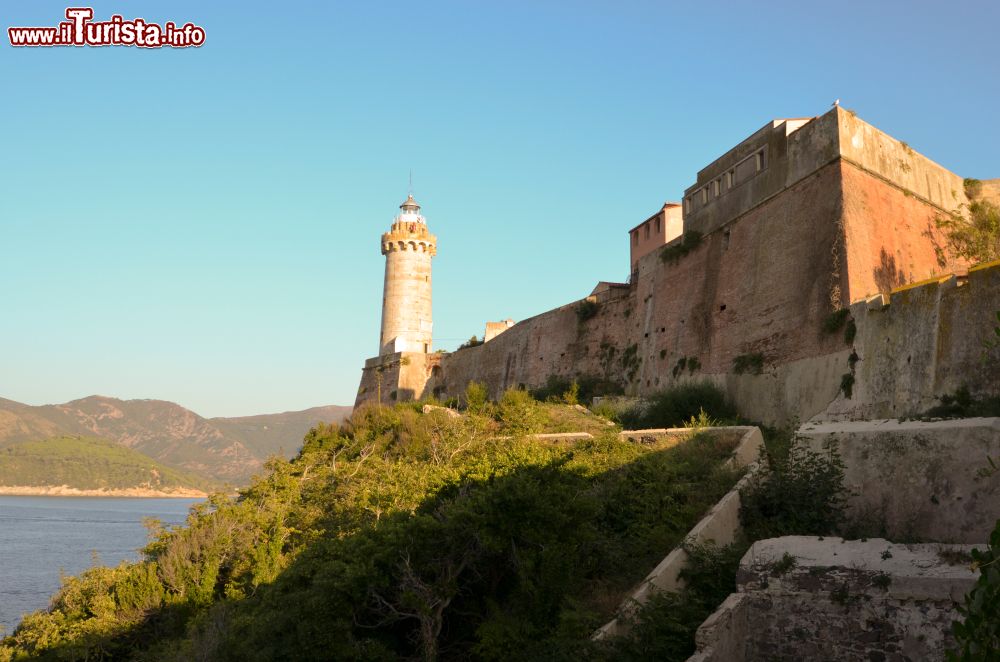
pixel 409 236
pixel 785 151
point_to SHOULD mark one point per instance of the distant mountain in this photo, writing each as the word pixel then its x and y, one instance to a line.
pixel 81 465
pixel 279 434
pixel 224 449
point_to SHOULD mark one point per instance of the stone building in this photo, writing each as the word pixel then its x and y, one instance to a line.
pixel 656 231
pixel 802 219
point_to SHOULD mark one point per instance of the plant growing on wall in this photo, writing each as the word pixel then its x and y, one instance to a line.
pixel 690 241
pixel 586 310
pixel 978 635
pixel 752 364
pixel 975 237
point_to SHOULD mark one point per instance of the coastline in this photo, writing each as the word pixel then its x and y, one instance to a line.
pixel 67 491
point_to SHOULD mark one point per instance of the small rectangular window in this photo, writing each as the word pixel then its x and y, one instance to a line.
pixel 635 237
pixel 730 177
pixel 759 160
pixel 646 226
pixel 687 204
pixel 657 224
pixel 704 195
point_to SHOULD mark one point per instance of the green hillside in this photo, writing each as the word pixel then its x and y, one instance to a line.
pixel 409 535
pixel 87 463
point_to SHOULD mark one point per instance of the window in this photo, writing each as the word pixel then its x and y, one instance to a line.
pixel 635 237
pixel 657 224
pixel 646 227
pixel 759 160
pixel 704 195
pixel 687 205
pixel 725 240
pixel 730 177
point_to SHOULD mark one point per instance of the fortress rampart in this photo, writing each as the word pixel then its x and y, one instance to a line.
pixel 837 214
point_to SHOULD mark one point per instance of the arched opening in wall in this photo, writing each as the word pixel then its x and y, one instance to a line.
pixel 436 371
pixel 402 246
pixel 413 246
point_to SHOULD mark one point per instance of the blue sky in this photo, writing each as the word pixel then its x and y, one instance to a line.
pixel 202 225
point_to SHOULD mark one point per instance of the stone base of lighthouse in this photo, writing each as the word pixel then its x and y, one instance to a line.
pixel 397 377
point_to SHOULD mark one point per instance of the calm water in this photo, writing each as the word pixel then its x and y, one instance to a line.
pixel 39 536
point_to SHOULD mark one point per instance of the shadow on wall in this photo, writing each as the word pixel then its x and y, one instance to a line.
pixel 887 275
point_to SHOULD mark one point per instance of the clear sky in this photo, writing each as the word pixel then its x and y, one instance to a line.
pixel 202 225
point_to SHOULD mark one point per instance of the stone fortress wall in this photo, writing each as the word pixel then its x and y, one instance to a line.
pixel 834 213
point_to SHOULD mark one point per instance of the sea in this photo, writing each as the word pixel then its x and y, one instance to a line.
pixel 44 538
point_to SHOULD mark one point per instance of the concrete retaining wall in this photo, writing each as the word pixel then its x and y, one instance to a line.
pixel 806 598
pixel 917 480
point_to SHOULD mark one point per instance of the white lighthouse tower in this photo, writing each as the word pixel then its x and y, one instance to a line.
pixel 406 298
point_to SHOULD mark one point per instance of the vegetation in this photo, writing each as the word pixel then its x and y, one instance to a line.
pixel 400 534
pixel 803 494
pixel 674 406
pixel 586 309
pixel 847 384
pixel 689 363
pixel 86 463
pixel 978 634
pixel 584 387
pixel 471 342
pixel 975 237
pixel 675 251
pixel 752 364
pixel 973 188
pixel 663 628
pixel 835 320
pixel 962 404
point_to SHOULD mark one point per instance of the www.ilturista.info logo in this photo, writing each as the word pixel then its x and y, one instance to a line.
pixel 80 30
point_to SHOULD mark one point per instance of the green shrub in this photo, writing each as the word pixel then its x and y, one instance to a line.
pixel 847 384
pixel 978 633
pixel 973 188
pixel 835 321
pixel 690 241
pixel 519 413
pixel 962 404
pixel 471 342
pixel 586 310
pixel 752 364
pixel 802 494
pixel 664 627
pixel 975 238
pixel 674 406
pixel 475 398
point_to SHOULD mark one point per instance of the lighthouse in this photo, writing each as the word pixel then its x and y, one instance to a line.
pixel 406 295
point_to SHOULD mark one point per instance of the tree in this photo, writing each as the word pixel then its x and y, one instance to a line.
pixel 975 238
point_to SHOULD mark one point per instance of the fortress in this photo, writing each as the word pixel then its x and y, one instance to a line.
pixel 741 283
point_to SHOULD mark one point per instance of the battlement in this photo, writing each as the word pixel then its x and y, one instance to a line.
pixel 412 236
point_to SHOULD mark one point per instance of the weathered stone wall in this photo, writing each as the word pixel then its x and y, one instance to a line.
pixel 916 480
pixel 811 241
pixel 928 341
pixel 763 288
pixel 831 599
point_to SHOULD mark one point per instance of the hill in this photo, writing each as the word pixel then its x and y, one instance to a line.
pixel 223 449
pixel 86 465
pixel 403 535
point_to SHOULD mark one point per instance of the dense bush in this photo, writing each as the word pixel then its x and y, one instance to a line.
pixel 674 406
pixel 978 634
pixel 398 534
pixel 663 628
pixel 802 494
pixel 975 237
